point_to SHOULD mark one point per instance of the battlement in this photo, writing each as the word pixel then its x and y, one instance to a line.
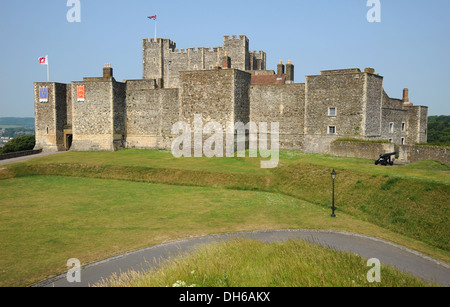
pixel 159 41
pixel 340 71
pixel 234 37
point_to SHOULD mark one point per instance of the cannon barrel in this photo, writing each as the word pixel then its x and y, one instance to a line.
pixel 388 155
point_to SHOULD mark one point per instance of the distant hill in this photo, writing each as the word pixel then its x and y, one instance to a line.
pixel 15 122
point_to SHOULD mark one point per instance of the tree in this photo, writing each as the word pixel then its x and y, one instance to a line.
pixel 19 144
pixel 439 129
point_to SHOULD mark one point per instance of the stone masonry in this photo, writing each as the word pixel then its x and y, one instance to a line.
pixel 224 84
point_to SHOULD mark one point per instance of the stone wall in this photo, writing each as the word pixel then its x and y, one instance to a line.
pixel 366 150
pixel 284 104
pixel 415 153
pixel 96 127
pixel 397 118
pixel 219 95
pixel 150 116
pixel 340 89
pixel 371 127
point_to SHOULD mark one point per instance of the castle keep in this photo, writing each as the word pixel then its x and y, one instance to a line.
pixel 225 84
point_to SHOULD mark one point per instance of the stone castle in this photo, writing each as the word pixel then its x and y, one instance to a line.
pixel 224 84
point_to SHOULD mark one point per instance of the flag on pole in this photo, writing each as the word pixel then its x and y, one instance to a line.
pixel 43 60
pixel 154 18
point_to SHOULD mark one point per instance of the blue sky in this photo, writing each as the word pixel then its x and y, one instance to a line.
pixel 410 47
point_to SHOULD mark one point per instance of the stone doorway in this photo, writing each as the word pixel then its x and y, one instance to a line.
pixel 68 138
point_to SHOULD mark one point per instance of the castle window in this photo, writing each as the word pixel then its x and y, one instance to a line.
pixel 332 112
pixel 403 141
pixel 391 140
pixel 403 127
pixel 391 127
pixel 332 130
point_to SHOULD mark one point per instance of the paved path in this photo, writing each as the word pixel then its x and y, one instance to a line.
pixel 20 159
pixel 388 253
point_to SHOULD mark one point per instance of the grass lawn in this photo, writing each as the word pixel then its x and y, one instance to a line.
pixel 95 205
pixel 92 219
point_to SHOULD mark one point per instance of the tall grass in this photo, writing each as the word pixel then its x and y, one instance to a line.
pixel 247 263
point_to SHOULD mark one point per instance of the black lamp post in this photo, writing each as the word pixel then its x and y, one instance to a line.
pixel 333 176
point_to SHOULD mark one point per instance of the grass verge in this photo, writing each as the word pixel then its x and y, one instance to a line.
pixel 247 263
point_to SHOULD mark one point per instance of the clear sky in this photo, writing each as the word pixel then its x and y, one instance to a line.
pixel 410 47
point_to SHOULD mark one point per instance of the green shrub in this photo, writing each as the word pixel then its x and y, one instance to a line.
pixel 21 143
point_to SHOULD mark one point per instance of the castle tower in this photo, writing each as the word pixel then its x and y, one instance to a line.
pixel 238 50
pixel 53 114
pixel 155 54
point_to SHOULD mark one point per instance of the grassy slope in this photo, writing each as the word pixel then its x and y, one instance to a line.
pixel 416 205
pixel 92 219
pixel 410 200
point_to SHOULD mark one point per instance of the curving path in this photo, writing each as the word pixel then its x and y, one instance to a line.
pixel 388 253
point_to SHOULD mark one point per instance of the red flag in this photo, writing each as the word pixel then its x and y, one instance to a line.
pixel 152 17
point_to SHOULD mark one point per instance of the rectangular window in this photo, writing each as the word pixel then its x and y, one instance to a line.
pixel 391 127
pixel 403 127
pixel 403 141
pixel 331 130
pixel 332 112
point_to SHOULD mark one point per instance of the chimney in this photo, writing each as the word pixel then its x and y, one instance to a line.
pixel 107 71
pixel 289 72
pixel 405 95
pixel 280 68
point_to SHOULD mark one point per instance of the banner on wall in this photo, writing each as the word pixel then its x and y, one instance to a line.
pixel 81 93
pixel 43 94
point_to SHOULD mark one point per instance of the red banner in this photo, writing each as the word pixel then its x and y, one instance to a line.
pixel 80 93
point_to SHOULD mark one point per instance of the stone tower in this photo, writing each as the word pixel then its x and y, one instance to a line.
pixel 163 62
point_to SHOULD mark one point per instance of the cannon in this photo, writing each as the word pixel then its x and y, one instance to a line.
pixel 386 159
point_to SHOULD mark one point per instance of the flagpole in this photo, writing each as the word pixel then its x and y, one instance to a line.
pixel 155 26
pixel 48 71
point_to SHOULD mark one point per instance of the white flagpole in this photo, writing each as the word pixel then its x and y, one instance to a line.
pixel 48 71
pixel 155 25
